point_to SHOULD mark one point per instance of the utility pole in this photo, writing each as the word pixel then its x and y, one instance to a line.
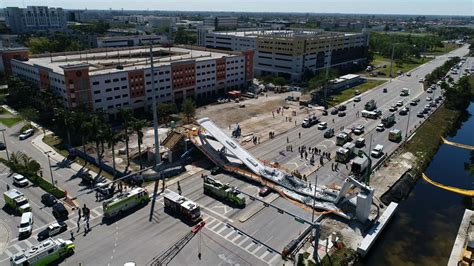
pixel 408 123
pixel 50 170
pixel 4 142
pixel 155 115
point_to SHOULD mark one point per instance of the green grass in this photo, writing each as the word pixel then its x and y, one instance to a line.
pixel 58 145
pixel 406 66
pixel 427 139
pixel 448 47
pixel 349 93
pixel 10 121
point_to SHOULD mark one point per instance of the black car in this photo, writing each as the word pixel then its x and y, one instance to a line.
pixel 334 111
pixel 329 133
pixel 2 146
pixel 264 191
pixel 384 90
pixel 52 230
pixel 341 114
pixel 48 199
pixel 325 112
pixel 60 212
pixel 342 108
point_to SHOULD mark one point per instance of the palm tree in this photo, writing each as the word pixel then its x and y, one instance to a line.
pixel 112 137
pixel 137 126
pixel 66 119
pixel 127 116
pixel 189 109
pixel 84 127
pixel 97 125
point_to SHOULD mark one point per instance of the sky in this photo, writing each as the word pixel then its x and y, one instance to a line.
pixel 412 7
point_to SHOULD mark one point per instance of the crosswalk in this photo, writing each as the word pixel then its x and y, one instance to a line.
pixel 242 241
pixel 19 246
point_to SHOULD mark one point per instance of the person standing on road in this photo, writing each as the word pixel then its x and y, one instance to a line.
pixel 287 140
pixel 8 187
pixel 72 235
pixel 299 135
pixel 179 189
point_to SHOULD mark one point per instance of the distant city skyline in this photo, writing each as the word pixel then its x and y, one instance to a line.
pixel 402 7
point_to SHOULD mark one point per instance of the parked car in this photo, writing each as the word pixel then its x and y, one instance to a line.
pixel 20 181
pixel 360 142
pixel 429 99
pixel 342 108
pixel 377 151
pixel 393 108
pixel 420 114
pixel 26 134
pixel 48 199
pixel 325 112
pixel 357 99
pixel 413 103
pixel 380 128
pixel 357 92
pixel 60 212
pixel 52 230
pixel 2 146
pixel 264 191
pixel 329 133
pixel 429 91
pixel 384 90
pixel 334 111
pixel 404 111
pixel 322 125
pixel 400 103
pixel 341 114
pixel 359 129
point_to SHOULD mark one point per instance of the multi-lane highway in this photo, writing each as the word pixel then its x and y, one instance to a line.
pixel 135 238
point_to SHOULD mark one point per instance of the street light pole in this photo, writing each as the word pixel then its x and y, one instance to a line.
pixel 155 115
pixel 408 123
pixel 391 61
pixel 5 142
pixel 50 169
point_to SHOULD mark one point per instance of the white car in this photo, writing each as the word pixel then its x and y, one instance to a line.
pixel 429 99
pixel 322 125
pixel 380 128
pixel 26 134
pixel 357 99
pixel 20 180
pixel 377 151
pixel 359 129
pixel 400 103
pixel 429 91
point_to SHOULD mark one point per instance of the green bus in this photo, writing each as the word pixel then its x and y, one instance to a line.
pixel 44 253
pixel 121 203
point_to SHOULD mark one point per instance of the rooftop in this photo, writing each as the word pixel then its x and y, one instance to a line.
pixel 285 33
pixel 106 61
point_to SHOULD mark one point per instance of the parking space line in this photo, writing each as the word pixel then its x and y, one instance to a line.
pixel 264 254
pixel 96 212
pixel 257 249
pixel 217 225
pixel 230 233
pixel 221 230
pixel 18 247
pixel 212 223
pixel 249 245
pixel 28 243
pixel 273 258
pixel 236 238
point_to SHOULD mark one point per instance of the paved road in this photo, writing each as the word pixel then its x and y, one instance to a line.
pixel 134 238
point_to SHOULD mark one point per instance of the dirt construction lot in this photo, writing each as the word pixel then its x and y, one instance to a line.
pixel 259 116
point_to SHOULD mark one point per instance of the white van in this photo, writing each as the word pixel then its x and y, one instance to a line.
pixel 26 224
pixel 377 151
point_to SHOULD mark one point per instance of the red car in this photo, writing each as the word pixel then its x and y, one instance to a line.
pixel 264 191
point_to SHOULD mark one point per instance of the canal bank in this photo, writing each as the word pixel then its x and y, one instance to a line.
pixel 424 230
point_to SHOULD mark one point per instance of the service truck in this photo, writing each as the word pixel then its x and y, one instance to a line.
pixel 405 92
pixel 44 253
pixel 181 206
pixel 16 201
pixel 370 105
pixel 224 192
pixel 124 202
pixel 395 135
pixel 359 165
pixel 344 154
pixel 388 120
pixel 342 138
pixel 310 121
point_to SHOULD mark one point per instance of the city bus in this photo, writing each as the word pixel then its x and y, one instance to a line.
pixel 121 203
pixel 45 253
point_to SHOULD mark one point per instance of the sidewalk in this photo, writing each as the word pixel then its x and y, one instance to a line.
pixel 56 157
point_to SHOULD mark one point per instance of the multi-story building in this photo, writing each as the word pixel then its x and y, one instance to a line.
pixel 289 53
pixel 34 18
pixel 222 22
pixel 130 40
pixel 111 79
